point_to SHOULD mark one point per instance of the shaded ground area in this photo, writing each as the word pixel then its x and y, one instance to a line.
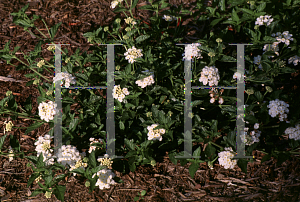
pixel 164 182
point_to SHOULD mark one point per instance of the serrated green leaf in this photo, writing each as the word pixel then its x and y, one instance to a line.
pixel 197 152
pixel 53 30
pixel 92 159
pixel 32 177
pixel 261 7
pixel 234 16
pixel 121 125
pixel 129 144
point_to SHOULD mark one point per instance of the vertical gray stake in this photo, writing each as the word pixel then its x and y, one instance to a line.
pixel 57 92
pixel 240 124
pixel 188 146
pixel 110 118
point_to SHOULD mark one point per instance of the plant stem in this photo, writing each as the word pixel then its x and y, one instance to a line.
pixel 216 145
pixel 21 115
pixel 31 68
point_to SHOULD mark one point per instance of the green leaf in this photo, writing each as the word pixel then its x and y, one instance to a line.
pixel 226 58
pixel 119 9
pixel 259 96
pixel 33 127
pixel 79 171
pixel 147 7
pixel 234 15
pixel 251 119
pixel 193 168
pixel 242 163
pixel 2 139
pixel 215 21
pixel 130 144
pixel 142 38
pixel 32 177
pixel 92 159
pixel 134 4
pixel 23 22
pixel 197 152
pixel 265 158
pixel 40 162
pixel 210 152
pixel 14 143
pixel 261 7
pixel 121 125
pixel 207 49
pixel 172 158
pixel 247 11
pixel 136 198
pixel 222 5
pixel 53 30
pixel 36 192
pixel 33 159
pixel 131 153
pixel 59 192
pixel 197 102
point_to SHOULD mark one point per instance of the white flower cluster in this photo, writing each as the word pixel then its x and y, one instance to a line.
pixel 257 61
pixel 155 134
pixel 225 158
pixel 146 81
pixel 105 178
pixel 264 20
pixel 295 59
pixel 120 94
pixel 285 37
pixel 43 146
pixel 69 155
pixel 215 95
pixel 274 47
pixel 169 18
pixel 278 107
pixel 92 140
pixel 132 54
pixel 253 137
pixel 210 75
pixel 294 133
pixel 47 110
pixel 66 76
pixel 130 20
pixel 115 3
pixel 41 63
pixel 191 51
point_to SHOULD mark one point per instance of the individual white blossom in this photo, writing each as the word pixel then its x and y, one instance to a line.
pixel 257 61
pixel 278 107
pixel 191 51
pixel 155 134
pixel 294 133
pixel 237 76
pixel 11 154
pixel 47 110
pixel 221 100
pixel 256 125
pixel 132 54
pixel 169 18
pixel 64 76
pixel 251 138
pixel 105 178
pixel 119 93
pixel 115 3
pixel 264 20
pixel 92 140
pixel 295 59
pixel 210 75
pixel 225 158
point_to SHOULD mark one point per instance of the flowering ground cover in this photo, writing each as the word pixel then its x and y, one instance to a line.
pixel 272 175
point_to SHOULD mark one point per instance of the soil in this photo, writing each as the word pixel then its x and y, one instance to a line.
pixel 164 182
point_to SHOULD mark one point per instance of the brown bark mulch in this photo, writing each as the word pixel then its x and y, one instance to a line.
pixel 165 181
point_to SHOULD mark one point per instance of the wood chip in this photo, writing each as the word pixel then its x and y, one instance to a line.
pixel 3 78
